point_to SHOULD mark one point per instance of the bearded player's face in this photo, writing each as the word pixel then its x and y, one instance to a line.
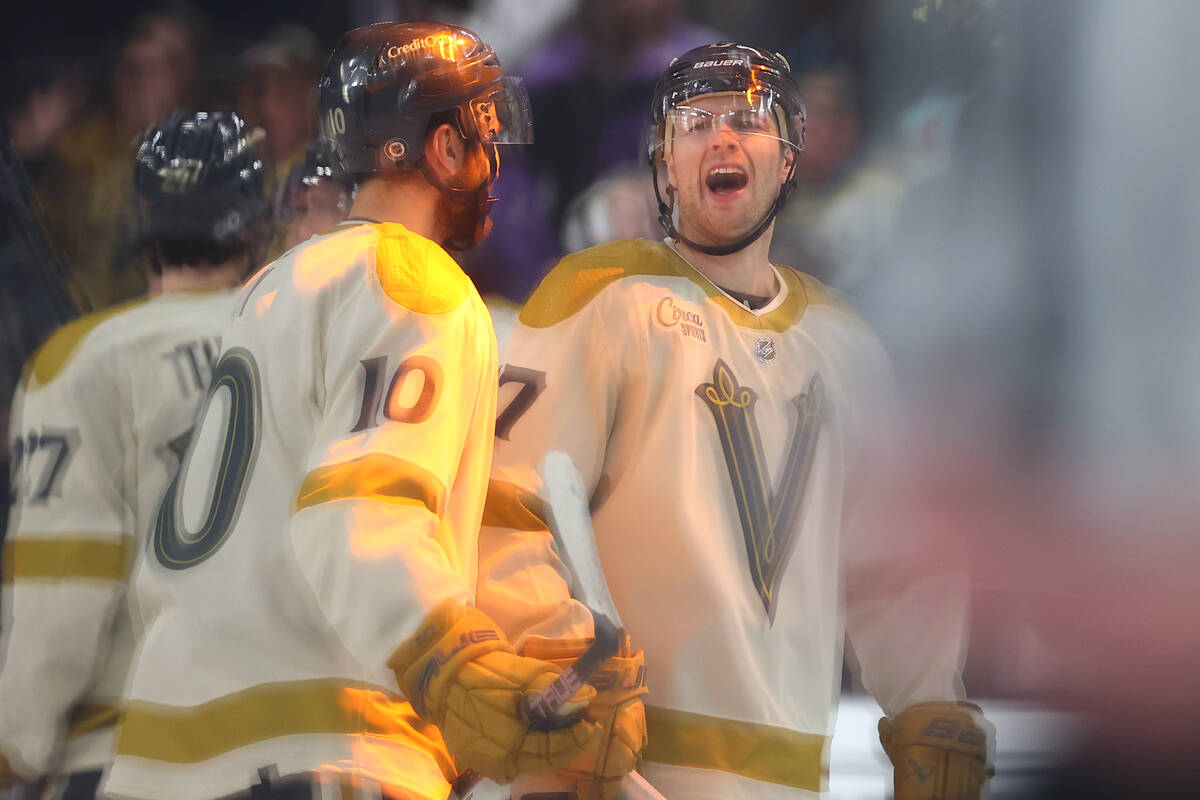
pixel 727 162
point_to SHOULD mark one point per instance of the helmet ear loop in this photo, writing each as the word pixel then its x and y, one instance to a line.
pixel 666 209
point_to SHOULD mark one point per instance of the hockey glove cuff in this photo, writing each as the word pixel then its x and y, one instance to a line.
pixel 939 751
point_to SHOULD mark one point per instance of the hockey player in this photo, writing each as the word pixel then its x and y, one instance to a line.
pixel 98 425
pixel 721 410
pixel 313 199
pixel 306 591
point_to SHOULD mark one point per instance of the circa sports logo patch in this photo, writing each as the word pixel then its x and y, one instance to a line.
pixel 670 312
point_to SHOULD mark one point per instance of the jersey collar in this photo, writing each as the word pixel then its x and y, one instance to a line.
pixel 784 309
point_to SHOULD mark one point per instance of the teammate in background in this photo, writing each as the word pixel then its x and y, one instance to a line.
pixel 723 412
pixel 314 197
pixel 306 592
pixel 98 425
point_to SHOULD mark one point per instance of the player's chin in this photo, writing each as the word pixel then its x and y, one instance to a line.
pixel 737 210
pixel 731 222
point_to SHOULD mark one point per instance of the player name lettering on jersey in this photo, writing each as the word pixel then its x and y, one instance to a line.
pixel 193 362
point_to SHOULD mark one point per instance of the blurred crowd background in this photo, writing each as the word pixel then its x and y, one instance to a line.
pixel 1007 190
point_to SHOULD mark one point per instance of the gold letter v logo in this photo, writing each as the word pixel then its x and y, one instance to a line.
pixel 768 513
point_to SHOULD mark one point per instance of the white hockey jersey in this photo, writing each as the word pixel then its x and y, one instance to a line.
pixel 720 447
pixel 97 429
pixel 331 498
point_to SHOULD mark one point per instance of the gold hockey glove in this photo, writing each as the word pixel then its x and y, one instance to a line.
pixel 459 671
pixel 620 686
pixel 939 751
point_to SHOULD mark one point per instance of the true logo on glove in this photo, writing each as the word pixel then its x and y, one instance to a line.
pixel 557 693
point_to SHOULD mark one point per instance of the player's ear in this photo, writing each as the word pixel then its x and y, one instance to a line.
pixel 445 149
pixel 789 156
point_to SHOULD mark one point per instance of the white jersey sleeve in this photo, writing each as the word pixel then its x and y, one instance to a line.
pixel 67 555
pixel 371 533
pixel 906 596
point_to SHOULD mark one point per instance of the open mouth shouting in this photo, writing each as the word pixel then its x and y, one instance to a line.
pixel 726 180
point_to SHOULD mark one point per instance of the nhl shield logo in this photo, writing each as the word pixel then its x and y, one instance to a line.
pixel 764 348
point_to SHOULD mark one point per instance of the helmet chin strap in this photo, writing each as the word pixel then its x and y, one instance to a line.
pixel 665 219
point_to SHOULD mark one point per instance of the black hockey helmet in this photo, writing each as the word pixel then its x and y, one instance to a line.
pixel 320 166
pixel 385 81
pixel 199 179
pixel 763 78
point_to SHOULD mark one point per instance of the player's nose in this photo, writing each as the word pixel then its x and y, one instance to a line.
pixel 724 139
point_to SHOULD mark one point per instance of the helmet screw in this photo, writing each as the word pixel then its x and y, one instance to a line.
pixel 395 149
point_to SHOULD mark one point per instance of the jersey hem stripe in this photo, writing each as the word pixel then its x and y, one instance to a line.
pixel 753 750
pixel 193 734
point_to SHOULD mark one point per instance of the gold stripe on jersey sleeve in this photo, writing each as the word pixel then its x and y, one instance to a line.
pixel 418 274
pixel 515 507
pixel 89 717
pixel 752 750
pixel 66 559
pixel 374 476
pixel 56 352
pixel 580 277
pixel 191 734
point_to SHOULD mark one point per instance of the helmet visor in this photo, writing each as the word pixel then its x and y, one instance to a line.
pixel 502 116
pixel 739 113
